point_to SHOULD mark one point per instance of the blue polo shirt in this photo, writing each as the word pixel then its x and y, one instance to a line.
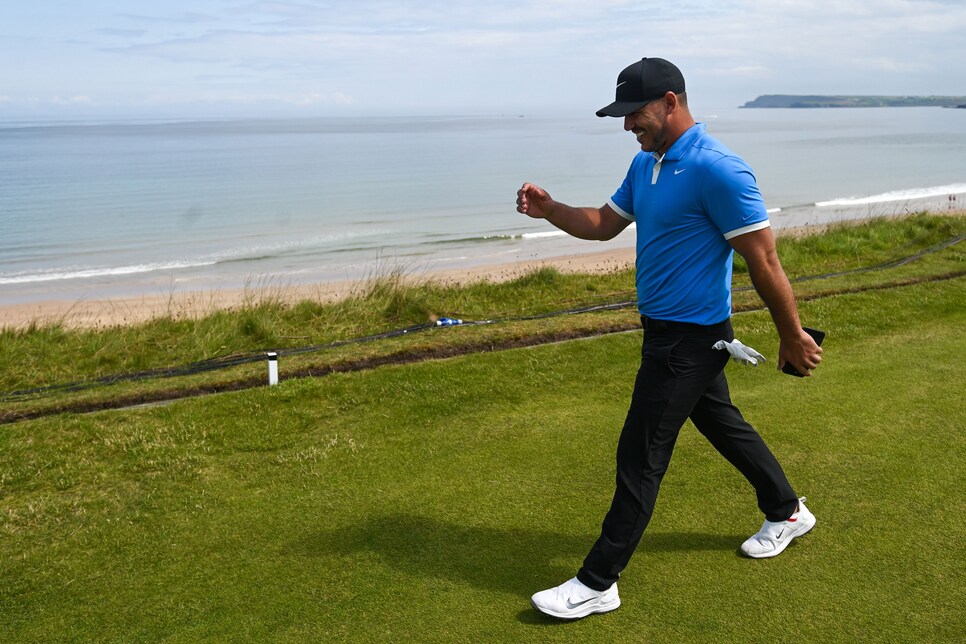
pixel 687 206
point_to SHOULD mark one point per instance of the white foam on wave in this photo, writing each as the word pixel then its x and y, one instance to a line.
pixel 897 195
pixel 541 235
pixel 81 273
pixel 559 233
pixel 242 254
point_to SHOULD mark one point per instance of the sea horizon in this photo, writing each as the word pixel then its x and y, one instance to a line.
pixel 121 209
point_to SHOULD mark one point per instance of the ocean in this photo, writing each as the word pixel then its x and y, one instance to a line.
pixel 118 209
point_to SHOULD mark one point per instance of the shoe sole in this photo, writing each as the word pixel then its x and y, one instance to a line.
pixel 782 546
pixel 583 611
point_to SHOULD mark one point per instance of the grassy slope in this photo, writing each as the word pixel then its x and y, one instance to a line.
pixel 427 502
pixel 54 355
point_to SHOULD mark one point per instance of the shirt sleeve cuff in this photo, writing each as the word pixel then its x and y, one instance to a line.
pixel 620 211
pixel 761 225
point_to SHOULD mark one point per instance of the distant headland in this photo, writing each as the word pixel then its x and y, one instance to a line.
pixel 792 100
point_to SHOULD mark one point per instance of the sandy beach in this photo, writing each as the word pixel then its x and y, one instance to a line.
pixel 192 304
pixel 195 304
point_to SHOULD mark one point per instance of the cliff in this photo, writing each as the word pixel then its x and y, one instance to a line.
pixel 808 101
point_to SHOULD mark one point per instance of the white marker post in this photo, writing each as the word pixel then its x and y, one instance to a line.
pixel 272 368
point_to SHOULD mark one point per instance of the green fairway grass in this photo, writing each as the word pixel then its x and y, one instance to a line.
pixel 427 502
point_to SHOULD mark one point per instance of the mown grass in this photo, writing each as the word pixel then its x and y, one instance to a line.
pixel 55 354
pixel 426 502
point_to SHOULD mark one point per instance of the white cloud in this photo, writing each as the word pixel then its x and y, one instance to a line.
pixel 386 54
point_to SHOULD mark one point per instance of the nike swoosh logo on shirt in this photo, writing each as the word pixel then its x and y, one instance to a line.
pixel 679 170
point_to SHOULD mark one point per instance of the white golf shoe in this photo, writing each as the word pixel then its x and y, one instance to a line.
pixel 774 537
pixel 573 600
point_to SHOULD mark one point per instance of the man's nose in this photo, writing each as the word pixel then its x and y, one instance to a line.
pixel 628 123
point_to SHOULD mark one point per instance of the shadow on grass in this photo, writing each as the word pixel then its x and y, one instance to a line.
pixel 515 561
pixel 505 560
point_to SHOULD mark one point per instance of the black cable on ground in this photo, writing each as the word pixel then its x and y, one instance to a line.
pixel 202 366
pixel 214 364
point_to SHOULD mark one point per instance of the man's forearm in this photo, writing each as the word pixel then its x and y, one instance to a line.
pixel 769 280
pixel 584 223
pixel 773 287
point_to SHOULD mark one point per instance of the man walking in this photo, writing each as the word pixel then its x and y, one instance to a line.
pixel 694 203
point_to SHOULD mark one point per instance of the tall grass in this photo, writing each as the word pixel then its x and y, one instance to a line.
pixel 46 354
pixel 850 245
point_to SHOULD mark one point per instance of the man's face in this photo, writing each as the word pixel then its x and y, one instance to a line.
pixel 649 125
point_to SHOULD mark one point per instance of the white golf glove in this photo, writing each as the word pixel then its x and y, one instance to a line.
pixel 742 354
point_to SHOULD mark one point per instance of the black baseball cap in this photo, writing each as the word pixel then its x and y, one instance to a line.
pixel 641 83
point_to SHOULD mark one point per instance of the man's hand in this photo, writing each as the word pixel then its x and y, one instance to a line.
pixel 584 223
pixel 802 352
pixel 796 347
pixel 533 201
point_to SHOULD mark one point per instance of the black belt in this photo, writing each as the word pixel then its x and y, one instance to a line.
pixel 667 326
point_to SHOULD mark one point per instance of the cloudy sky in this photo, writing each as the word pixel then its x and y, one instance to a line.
pixel 93 58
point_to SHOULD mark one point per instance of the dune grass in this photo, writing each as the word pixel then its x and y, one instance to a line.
pixel 54 354
pixel 426 502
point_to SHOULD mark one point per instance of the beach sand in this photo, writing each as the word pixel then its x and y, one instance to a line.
pixel 195 304
pixel 100 313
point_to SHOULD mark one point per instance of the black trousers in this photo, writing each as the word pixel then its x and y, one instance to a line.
pixel 680 377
